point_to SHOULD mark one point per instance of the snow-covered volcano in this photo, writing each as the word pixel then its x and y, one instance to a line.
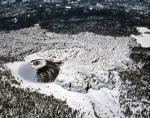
pixel 87 77
pixel 38 70
pixel 74 58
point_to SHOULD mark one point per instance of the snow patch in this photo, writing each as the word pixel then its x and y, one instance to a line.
pixel 144 38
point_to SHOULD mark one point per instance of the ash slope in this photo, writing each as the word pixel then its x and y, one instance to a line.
pixel 84 55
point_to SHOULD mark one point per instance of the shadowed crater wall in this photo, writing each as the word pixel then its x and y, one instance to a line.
pixel 47 71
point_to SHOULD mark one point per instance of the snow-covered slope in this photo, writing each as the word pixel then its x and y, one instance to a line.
pixel 88 77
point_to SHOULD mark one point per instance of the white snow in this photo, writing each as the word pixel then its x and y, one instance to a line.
pixel 143 39
pixel 26 72
pixel 67 7
pixel 99 6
